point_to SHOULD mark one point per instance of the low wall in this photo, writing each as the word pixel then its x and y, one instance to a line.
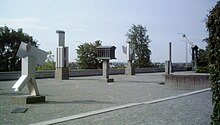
pixel 149 70
pixel 190 82
pixel 80 73
pixel 16 75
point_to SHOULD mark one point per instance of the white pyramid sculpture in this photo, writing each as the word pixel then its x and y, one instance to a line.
pixel 31 56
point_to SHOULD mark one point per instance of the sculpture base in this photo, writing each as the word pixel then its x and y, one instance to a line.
pixel 130 70
pixel 106 80
pixel 62 73
pixel 27 99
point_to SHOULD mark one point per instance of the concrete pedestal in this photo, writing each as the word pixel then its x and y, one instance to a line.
pixel 27 99
pixel 62 73
pixel 130 70
pixel 106 80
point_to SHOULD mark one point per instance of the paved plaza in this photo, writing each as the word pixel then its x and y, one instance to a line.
pixel 82 95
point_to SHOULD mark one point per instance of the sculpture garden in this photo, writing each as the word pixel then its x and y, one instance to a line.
pixel 123 99
pixel 128 100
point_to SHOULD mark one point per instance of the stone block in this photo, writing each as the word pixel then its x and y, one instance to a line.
pixel 188 82
pixel 62 73
pixel 27 99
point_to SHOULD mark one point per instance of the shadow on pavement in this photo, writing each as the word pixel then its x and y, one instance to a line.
pixel 140 81
pixel 79 102
pixel 10 94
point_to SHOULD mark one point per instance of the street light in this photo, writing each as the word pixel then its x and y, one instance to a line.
pixel 184 36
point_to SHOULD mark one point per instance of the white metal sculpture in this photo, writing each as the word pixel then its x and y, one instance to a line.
pixel 31 56
pixel 129 51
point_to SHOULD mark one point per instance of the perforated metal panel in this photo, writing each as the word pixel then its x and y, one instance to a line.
pixel 106 52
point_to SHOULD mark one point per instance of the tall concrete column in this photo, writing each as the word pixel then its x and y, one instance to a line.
pixel 130 70
pixel 170 58
pixel 62 70
pixel 168 64
pixel 105 69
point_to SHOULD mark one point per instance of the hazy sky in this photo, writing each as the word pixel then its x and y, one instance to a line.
pixel 109 21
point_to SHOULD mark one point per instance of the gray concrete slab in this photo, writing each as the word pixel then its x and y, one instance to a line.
pixel 190 110
pixel 84 94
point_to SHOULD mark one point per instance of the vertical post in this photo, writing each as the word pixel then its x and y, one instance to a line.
pixel 170 45
pixel 130 70
pixel 168 64
pixel 186 53
pixel 105 68
pixel 196 58
pixel 170 57
pixel 167 67
pixel 193 58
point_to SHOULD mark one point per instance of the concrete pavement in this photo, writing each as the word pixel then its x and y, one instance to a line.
pixel 84 94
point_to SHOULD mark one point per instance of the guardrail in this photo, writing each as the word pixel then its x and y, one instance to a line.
pixel 79 73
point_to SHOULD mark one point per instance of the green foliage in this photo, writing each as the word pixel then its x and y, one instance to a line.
pixel 9 43
pixel 87 56
pixel 213 25
pixel 46 66
pixel 137 36
pixel 202 69
pixel 203 61
pixel 203 58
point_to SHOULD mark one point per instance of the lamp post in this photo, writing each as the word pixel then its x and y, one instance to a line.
pixel 184 36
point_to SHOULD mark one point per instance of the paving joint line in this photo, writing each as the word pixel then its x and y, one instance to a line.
pixel 106 110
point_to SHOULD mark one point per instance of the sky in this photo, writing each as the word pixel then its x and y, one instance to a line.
pixel 109 20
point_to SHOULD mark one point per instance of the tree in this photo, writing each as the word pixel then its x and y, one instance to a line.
pixel 203 61
pixel 87 55
pixel 213 26
pixel 9 43
pixel 137 36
